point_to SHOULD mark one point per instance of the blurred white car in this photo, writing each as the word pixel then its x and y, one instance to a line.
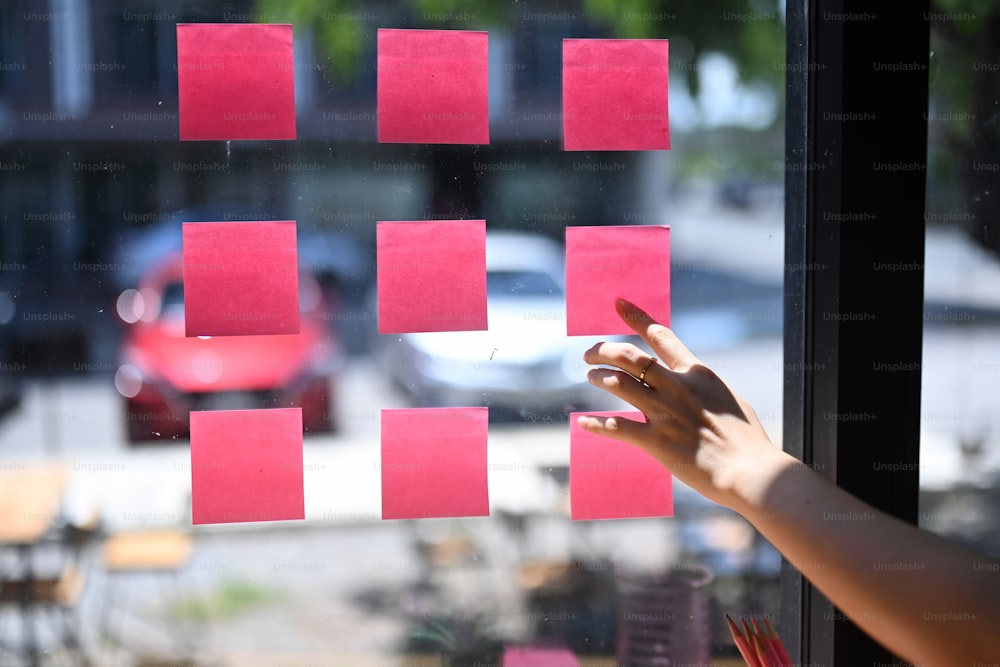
pixel 524 364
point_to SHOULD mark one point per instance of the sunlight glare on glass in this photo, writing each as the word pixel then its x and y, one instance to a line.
pixel 310 295
pixel 130 306
pixel 151 299
pixel 207 366
pixel 128 380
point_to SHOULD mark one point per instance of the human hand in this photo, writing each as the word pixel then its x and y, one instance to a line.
pixel 696 426
pixel 710 439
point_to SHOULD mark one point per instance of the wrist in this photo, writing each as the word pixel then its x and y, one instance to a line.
pixel 753 481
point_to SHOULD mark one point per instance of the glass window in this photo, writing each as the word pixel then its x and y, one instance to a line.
pixel 960 467
pixel 94 190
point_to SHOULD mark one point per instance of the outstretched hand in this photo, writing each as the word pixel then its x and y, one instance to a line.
pixel 710 439
pixel 696 426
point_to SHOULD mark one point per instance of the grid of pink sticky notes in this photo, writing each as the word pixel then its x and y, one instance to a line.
pixel 246 465
pixel 609 479
pixel 615 94
pixel 433 86
pixel 434 463
pixel 431 276
pixel 240 278
pixel 235 81
pixel 606 263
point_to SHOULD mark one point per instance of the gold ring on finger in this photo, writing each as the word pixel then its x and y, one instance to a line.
pixel 642 374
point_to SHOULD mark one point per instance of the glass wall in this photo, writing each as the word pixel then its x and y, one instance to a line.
pixel 960 456
pixel 94 189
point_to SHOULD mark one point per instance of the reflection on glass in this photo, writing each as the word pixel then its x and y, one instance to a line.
pixel 95 187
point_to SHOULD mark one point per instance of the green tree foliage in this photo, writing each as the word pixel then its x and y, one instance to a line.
pixel 338 27
pixel 965 81
pixel 750 32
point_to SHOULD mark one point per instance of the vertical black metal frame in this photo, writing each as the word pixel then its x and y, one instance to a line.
pixel 855 155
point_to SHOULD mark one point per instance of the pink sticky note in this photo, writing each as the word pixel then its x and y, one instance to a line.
pixel 538 657
pixel 609 479
pixel 432 87
pixel 246 465
pixel 434 463
pixel 235 81
pixel 615 94
pixel 240 278
pixel 604 264
pixel 431 276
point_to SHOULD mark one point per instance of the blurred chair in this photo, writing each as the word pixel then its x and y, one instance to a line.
pixel 664 618
pixel 49 578
pixel 128 556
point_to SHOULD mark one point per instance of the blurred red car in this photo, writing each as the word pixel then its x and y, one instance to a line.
pixel 164 375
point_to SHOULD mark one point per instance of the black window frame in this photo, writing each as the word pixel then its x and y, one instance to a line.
pixel 838 58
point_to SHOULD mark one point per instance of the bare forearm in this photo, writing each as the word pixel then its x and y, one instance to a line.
pixel 909 588
pixel 928 600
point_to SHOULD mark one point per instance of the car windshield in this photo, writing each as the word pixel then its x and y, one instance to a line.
pixel 521 283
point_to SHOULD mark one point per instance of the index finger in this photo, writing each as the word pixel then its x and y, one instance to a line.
pixel 664 342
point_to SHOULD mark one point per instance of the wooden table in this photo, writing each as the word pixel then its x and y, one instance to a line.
pixel 30 501
pixel 147 551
